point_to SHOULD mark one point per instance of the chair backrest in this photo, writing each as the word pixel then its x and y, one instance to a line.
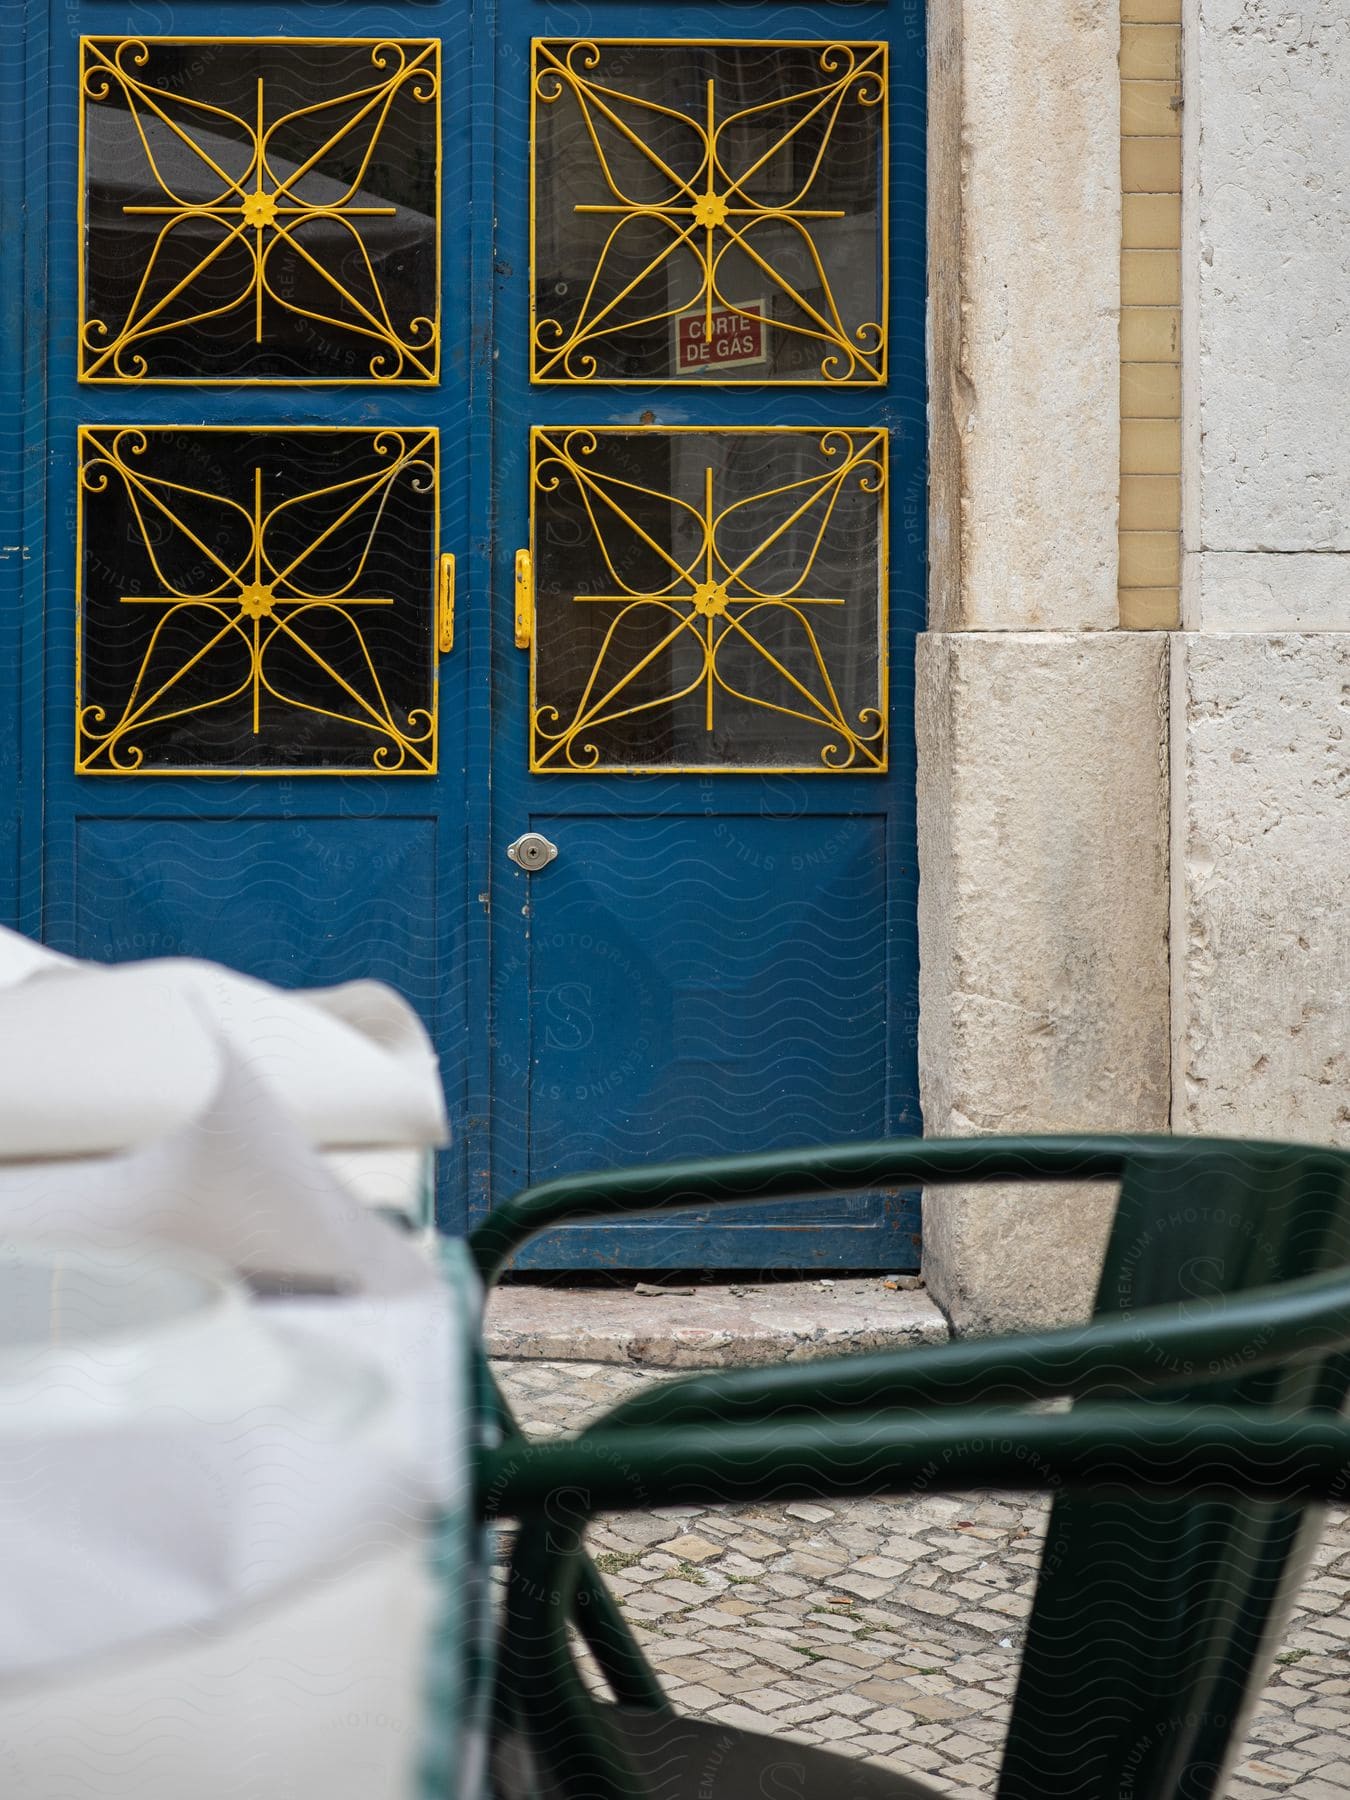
pixel 1154 1620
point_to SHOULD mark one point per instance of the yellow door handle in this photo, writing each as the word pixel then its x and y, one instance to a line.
pixel 445 606
pixel 524 599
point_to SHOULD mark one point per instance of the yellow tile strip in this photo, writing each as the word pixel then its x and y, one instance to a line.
pixel 1150 314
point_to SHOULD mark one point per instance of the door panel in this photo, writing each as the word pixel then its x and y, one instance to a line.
pixel 294 901
pixel 665 953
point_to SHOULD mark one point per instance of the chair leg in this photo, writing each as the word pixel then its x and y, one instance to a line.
pixel 628 1674
pixel 581 1757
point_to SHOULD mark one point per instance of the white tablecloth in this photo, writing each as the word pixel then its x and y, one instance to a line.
pixel 96 1058
pixel 225 1599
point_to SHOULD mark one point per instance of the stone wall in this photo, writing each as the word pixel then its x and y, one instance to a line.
pixel 1085 792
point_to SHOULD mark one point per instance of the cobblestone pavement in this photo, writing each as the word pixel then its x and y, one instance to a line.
pixel 892 1629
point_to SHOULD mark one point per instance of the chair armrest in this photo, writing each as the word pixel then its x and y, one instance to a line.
pixel 1121 1448
pixel 798 1174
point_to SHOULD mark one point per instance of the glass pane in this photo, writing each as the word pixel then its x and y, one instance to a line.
pixel 709 212
pixel 709 599
pixel 260 210
pixel 256 600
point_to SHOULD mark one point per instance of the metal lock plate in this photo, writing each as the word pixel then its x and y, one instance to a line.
pixel 532 851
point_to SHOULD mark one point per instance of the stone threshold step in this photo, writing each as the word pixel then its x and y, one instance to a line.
pixel 706 1325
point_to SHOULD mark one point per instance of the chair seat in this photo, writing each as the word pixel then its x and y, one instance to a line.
pixel 698 1759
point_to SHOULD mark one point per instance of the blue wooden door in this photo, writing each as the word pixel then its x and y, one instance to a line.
pixel 283 340
pixel 717 958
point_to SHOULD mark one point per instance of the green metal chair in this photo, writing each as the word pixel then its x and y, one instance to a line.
pixel 1205 1426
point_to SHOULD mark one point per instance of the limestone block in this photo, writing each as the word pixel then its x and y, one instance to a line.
pixel 1267 355
pixel 1024 204
pixel 1261 884
pixel 1043 904
pixel 709 1325
pixel 1234 590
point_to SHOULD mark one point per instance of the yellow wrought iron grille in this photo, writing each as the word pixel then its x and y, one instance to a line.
pixel 709 211
pixel 259 210
pixel 708 599
pixel 256 601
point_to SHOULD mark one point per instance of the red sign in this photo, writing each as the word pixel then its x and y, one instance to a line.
pixel 737 337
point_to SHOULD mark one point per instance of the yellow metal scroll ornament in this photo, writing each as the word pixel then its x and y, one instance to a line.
pixel 715 600
pixel 251 599
pixel 259 210
pixel 711 213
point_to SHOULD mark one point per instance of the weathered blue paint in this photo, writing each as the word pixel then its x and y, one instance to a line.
pixel 13 295
pixel 712 963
